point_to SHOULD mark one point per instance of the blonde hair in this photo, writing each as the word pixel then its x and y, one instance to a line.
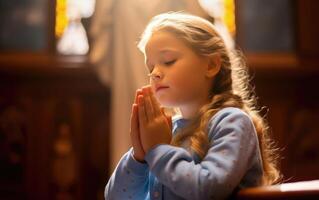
pixel 230 88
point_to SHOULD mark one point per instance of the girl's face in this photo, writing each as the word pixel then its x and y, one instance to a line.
pixel 178 74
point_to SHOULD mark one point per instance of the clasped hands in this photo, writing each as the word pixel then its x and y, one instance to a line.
pixel 149 124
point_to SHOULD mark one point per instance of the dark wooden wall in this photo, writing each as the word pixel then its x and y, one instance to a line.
pixel 290 96
pixel 54 128
pixel 286 76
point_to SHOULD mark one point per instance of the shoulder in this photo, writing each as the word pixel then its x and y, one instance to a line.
pixel 229 115
pixel 229 120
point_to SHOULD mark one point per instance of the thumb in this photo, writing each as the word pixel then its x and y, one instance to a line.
pixel 168 118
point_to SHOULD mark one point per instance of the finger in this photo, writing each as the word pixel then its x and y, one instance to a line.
pixel 134 119
pixel 141 111
pixel 135 137
pixel 155 104
pixel 134 127
pixel 138 92
pixel 169 120
pixel 163 110
pixel 148 104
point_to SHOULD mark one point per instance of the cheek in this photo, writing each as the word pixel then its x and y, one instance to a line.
pixel 189 85
pixel 185 75
pixel 179 81
pixel 188 78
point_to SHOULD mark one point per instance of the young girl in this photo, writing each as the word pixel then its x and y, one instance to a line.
pixel 217 145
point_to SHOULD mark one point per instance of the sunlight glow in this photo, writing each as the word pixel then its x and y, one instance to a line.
pixel 229 16
pixel 61 20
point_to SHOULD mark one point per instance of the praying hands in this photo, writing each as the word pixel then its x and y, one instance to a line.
pixel 149 124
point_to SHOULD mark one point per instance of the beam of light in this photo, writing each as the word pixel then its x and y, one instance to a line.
pixel 61 19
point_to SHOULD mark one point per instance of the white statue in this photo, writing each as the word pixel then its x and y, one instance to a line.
pixel 74 39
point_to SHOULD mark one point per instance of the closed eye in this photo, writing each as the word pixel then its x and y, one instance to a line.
pixel 170 62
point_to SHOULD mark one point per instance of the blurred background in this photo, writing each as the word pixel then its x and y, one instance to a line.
pixel 69 70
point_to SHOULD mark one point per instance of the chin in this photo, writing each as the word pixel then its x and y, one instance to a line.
pixel 167 102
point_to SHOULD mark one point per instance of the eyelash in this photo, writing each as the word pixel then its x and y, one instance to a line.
pixel 169 63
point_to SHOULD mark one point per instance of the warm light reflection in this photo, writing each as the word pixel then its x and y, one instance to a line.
pixel 223 12
pixel 61 20
pixel 229 16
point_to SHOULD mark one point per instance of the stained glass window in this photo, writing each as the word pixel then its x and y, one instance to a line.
pixel 69 30
pixel 23 25
pixel 223 12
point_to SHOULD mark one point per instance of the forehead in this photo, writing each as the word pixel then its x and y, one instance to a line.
pixel 161 41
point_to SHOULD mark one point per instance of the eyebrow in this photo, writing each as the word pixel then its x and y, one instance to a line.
pixel 165 51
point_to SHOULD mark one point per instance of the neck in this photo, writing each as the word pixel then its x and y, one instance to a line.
pixel 190 111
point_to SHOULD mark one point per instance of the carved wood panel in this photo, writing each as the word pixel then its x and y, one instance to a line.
pixel 54 125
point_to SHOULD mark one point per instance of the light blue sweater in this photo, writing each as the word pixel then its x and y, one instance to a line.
pixel 233 161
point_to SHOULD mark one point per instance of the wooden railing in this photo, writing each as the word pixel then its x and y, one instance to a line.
pixel 288 191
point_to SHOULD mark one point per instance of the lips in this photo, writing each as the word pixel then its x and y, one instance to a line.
pixel 160 87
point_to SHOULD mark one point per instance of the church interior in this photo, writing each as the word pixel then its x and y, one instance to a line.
pixel 65 96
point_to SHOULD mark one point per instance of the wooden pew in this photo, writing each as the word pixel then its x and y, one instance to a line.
pixel 291 191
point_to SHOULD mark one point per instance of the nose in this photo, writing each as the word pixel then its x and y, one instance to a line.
pixel 156 75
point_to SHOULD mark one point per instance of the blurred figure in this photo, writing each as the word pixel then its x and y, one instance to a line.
pixel 116 27
pixel 74 40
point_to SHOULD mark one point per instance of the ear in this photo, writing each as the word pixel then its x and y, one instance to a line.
pixel 214 64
